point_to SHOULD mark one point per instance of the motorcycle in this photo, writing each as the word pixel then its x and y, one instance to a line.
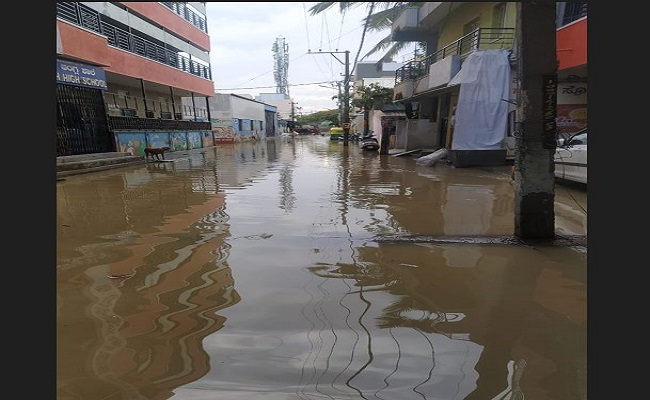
pixel 369 142
pixel 354 137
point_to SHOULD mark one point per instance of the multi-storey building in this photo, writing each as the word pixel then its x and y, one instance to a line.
pixel 481 36
pixel 453 33
pixel 382 74
pixel 571 47
pixel 123 69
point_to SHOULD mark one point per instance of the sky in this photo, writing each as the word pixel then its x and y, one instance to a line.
pixel 242 36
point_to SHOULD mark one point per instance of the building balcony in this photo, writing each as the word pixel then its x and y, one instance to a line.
pixel 85 17
pixel 405 26
pixel 120 123
pixel 185 12
pixel 442 65
pixel 137 113
pixel 415 23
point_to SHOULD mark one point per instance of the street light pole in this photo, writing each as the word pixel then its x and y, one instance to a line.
pixel 346 106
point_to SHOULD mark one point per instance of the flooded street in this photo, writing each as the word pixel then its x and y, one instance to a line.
pixel 299 269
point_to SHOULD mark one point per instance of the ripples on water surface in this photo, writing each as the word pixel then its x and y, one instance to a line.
pixel 255 271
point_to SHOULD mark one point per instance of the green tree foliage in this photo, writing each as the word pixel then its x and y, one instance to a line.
pixel 370 97
pixel 381 15
pixel 323 119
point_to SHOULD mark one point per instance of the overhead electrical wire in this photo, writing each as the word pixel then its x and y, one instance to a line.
pixel 325 27
pixel 265 87
pixel 329 44
pixel 338 40
pixel 304 11
pixel 316 61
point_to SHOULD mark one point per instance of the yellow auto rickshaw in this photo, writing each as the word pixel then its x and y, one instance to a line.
pixel 336 133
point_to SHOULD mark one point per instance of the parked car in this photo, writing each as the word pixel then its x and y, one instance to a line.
pixel 571 157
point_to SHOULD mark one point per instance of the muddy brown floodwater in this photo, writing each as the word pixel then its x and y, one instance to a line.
pixel 280 270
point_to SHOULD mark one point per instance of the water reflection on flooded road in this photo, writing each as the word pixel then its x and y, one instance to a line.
pixel 272 270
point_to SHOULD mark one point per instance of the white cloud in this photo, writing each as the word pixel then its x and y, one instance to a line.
pixel 242 36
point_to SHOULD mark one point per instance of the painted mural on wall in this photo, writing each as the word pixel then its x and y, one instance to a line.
pixel 222 130
pixel 194 140
pixel 223 134
pixel 571 118
pixel 158 139
pixel 571 106
pixel 133 143
pixel 227 131
pixel 178 141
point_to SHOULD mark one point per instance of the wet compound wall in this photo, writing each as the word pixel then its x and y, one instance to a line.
pixel 135 142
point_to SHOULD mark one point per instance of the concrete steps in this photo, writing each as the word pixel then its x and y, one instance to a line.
pixel 84 163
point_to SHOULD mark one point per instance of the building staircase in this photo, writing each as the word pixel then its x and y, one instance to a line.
pixel 84 163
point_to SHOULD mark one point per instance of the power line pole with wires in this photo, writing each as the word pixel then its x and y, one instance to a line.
pixel 345 120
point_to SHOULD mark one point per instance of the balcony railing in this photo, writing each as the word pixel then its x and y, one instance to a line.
pixel 119 105
pixel 88 18
pixel 118 123
pixel 130 113
pixel 480 39
pixel 187 14
pixel 573 11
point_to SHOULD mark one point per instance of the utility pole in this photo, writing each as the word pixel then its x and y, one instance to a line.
pixel 292 124
pixel 345 121
pixel 536 112
pixel 346 108
pixel 340 103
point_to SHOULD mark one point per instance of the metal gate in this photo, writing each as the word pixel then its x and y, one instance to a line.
pixel 81 122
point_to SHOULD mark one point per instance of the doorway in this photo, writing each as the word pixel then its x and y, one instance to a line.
pixel 81 122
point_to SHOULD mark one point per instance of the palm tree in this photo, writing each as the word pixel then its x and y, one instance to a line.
pixel 374 21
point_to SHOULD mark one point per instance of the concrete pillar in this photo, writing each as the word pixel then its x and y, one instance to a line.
pixel 534 168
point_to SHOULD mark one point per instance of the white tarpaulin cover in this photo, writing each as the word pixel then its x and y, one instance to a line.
pixel 481 112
